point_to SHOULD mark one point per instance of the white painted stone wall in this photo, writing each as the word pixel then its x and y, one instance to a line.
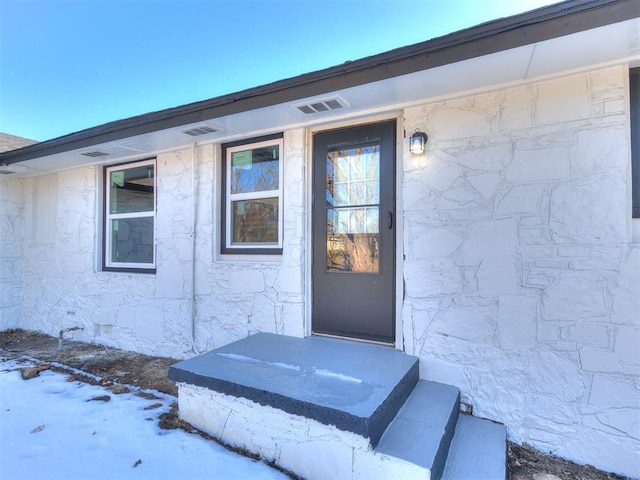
pixel 152 313
pixel 238 295
pixel 522 286
pixel 11 254
pixel 304 446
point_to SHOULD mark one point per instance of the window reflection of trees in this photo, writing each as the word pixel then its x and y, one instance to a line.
pixel 255 221
pixel 352 189
pixel 259 174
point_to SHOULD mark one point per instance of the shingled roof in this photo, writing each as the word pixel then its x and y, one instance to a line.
pixel 11 142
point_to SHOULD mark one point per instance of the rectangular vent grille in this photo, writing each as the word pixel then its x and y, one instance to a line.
pixel 194 132
pixel 94 153
pixel 321 106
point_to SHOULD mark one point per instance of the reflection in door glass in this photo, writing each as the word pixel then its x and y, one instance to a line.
pixel 353 214
pixel 353 176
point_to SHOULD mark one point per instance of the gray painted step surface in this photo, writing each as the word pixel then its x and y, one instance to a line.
pixel 478 451
pixel 357 387
pixel 422 431
pixel 366 389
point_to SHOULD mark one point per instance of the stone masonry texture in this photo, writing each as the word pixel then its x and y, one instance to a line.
pixel 521 281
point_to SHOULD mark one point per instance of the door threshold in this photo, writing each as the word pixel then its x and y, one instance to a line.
pixel 354 339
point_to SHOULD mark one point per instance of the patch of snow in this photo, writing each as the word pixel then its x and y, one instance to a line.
pixel 244 358
pixel 336 375
pixel 49 429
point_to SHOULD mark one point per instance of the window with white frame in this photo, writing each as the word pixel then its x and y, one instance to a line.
pixel 130 212
pixel 252 196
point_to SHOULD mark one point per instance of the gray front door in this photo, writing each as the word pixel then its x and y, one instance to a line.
pixel 353 232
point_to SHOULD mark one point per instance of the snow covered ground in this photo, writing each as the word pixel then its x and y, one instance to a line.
pixel 50 428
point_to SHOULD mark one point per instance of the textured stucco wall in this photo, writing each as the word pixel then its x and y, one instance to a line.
pixel 11 253
pixel 522 287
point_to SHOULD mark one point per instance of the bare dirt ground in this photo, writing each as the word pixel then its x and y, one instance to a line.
pixel 115 368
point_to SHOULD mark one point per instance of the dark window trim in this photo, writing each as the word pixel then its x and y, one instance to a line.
pixel 634 100
pixel 104 218
pixel 128 270
pixel 224 249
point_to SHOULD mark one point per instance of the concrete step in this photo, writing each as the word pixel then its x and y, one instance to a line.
pixel 326 408
pixel 423 429
pixel 478 451
pixel 356 387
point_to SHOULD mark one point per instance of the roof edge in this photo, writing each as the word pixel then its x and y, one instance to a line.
pixel 544 23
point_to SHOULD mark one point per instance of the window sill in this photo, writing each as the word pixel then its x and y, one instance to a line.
pixel 136 271
pixel 249 258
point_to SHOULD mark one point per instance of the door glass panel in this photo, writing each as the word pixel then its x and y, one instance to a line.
pixel 353 213
pixel 353 176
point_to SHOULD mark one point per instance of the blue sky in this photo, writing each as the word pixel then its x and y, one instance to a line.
pixel 67 65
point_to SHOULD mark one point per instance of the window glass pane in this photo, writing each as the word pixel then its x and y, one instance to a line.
pixel 132 240
pixel 131 190
pixel 352 240
pixel 255 221
pixel 255 170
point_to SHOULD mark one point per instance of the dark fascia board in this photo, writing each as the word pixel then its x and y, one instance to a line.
pixel 545 23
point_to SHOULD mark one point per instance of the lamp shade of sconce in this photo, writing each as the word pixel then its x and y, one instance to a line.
pixel 417 142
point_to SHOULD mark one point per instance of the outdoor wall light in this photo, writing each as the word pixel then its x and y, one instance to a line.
pixel 417 142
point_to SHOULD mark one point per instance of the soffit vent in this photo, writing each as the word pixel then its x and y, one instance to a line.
pixel 94 153
pixel 194 132
pixel 325 105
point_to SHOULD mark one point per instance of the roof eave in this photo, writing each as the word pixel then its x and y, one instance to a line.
pixel 538 25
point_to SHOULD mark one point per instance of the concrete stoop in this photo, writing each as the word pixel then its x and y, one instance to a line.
pixel 331 409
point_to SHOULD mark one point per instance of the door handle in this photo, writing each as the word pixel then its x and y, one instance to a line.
pixel 390 220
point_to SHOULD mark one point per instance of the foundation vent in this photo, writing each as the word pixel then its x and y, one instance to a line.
pixel 194 132
pixel 334 103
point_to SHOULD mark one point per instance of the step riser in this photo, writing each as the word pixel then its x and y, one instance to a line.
pixel 440 459
pixel 385 414
pixel 306 447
